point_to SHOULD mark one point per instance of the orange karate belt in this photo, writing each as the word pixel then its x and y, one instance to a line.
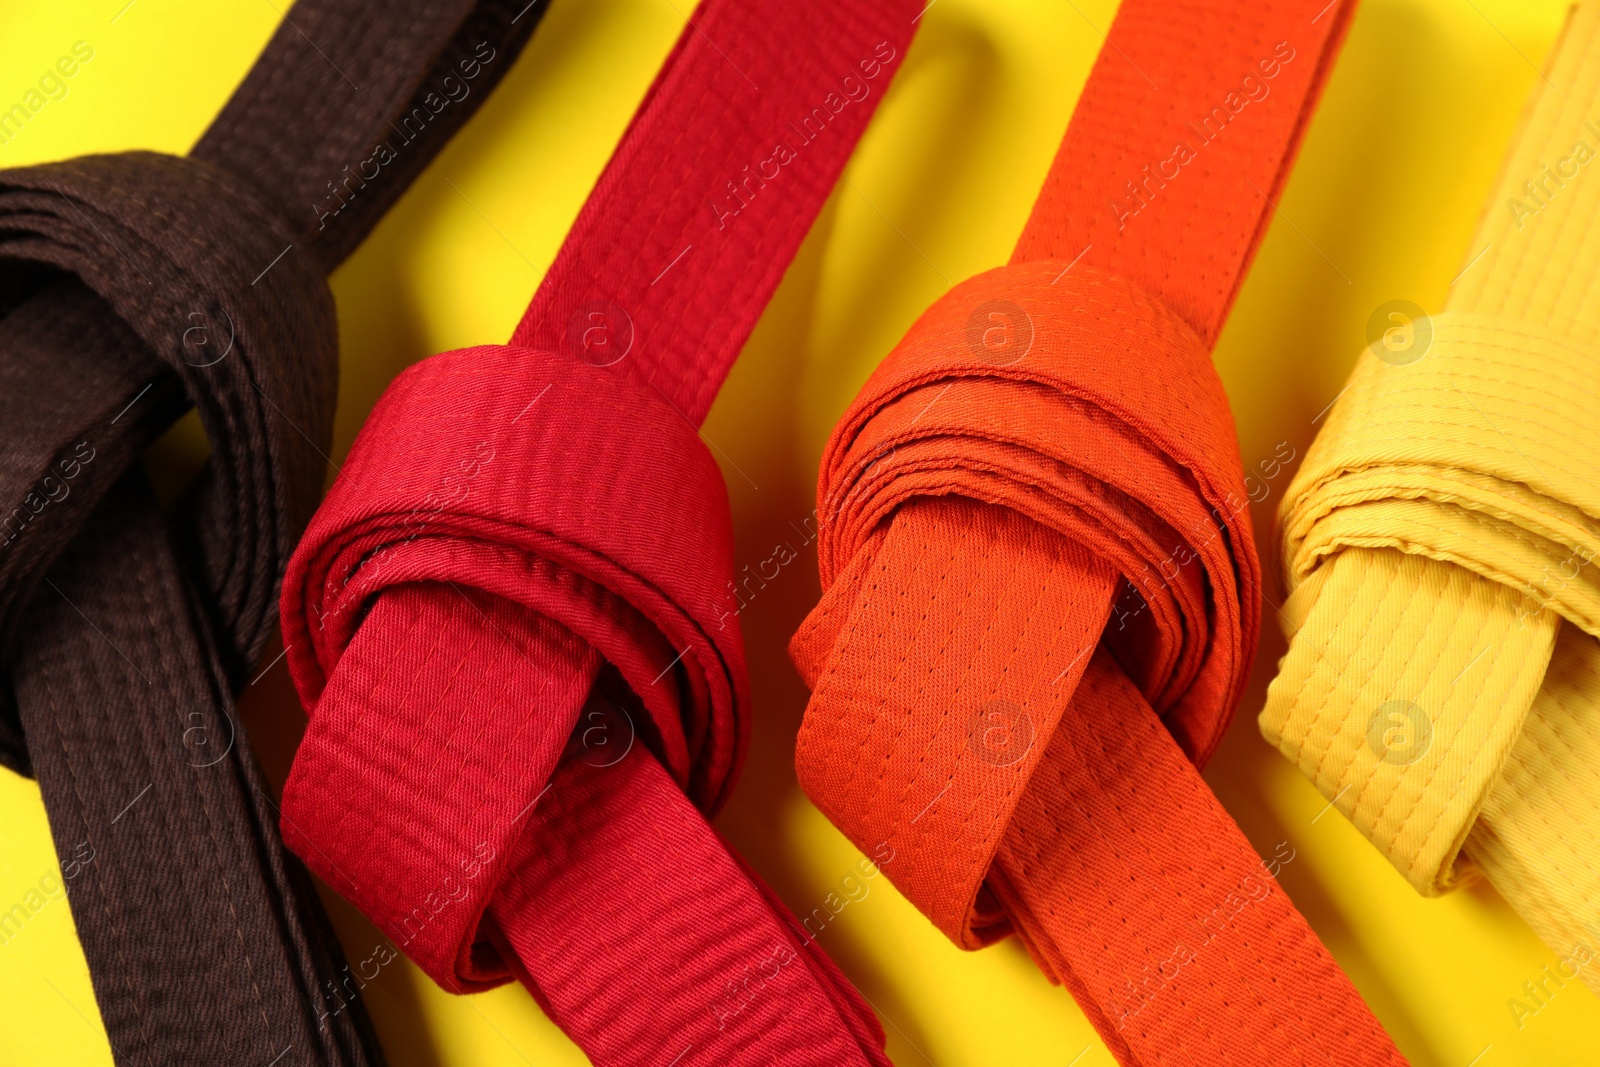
pixel 1041 589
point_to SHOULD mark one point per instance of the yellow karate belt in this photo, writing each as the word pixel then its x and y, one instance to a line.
pixel 1441 546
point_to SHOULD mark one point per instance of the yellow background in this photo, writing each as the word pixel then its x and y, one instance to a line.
pixel 1381 206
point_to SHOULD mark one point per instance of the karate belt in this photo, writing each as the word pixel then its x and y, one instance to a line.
pixel 1442 684
pixel 135 286
pixel 528 556
pixel 1041 592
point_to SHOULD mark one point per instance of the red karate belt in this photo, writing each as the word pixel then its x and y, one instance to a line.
pixel 512 614
pixel 1042 594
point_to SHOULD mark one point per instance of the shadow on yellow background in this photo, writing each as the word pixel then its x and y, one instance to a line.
pixel 1381 206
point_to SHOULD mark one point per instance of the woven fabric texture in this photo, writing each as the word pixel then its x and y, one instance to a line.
pixel 134 287
pixel 513 617
pixel 1041 591
pixel 1442 683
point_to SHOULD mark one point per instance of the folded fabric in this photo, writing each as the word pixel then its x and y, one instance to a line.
pixel 134 286
pixel 1041 593
pixel 1442 683
pixel 510 617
